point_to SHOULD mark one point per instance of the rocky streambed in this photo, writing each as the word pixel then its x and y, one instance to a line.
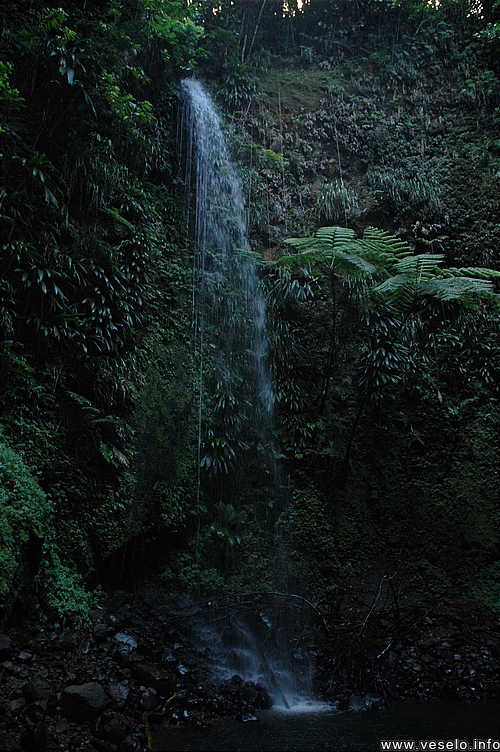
pixel 101 688
pixel 105 687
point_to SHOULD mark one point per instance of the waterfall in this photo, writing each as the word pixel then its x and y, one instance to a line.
pixel 264 640
pixel 228 303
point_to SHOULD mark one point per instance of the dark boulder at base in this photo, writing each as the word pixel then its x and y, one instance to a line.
pixel 84 701
pixel 257 696
pixel 39 689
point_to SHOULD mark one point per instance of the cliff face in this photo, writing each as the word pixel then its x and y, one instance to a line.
pixel 342 116
pixel 402 138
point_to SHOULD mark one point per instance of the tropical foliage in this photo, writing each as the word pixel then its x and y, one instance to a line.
pixel 400 298
pixel 383 344
pixel 85 220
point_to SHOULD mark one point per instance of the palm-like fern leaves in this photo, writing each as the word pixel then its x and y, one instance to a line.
pixel 332 246
pixel 392 274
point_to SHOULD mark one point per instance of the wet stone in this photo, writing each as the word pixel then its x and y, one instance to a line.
pixel 61 726
pixel 118 693
pixel 151 676
pixel 15 706
pixel 124 650
pixel 149 700
pixel 167 658
pixel 39 689
pixel 126 639
pixel 146 674
pixel 24 656
pixel 84 701
pixel 14 670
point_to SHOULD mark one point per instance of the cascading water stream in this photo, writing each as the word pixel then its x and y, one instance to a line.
pixel 229 328
pixel 229 304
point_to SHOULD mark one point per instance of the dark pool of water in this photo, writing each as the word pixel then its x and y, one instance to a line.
pixel 321 729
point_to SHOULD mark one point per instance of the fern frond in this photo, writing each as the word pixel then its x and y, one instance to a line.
pixel 389 268
pixel 476 272
pixel 383 243
pixel 462 289
pixel 352 263
pixel 397 289
pixel 294 259
pixel 302 243
pixel 336 235
pixel 423 266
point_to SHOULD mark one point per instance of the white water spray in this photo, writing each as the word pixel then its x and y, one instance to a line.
pixel 228 303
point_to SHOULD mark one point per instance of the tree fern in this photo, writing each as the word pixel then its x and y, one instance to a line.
pixel 393 275
pixel 393 284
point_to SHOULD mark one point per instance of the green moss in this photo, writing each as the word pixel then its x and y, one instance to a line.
pixel 25 510
pixel 61 590
pixel 311 539
pixel 115 520
pixel 297 89
pixel 27 514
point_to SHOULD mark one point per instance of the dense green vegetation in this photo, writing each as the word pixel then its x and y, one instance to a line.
pixel 386 367
pixel 92 279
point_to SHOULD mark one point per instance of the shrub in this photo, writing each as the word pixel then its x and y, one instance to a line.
pixel 402 191
pixel 337 203
pixel 27 513
pixel 24 512
pixel 62 590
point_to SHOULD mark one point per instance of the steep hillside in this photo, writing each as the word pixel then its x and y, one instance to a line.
pixel 338 114
pixel 400 134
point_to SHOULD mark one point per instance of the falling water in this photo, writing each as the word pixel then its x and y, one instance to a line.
pixel 228 304
pixel 267 641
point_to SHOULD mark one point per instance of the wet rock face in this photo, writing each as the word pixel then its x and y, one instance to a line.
pixel 246 697
pixel 257 696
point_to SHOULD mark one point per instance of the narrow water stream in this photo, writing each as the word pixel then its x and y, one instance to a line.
pixel 314 730
pixel 229 309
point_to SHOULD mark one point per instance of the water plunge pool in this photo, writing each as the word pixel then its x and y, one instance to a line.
pixel 307 729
